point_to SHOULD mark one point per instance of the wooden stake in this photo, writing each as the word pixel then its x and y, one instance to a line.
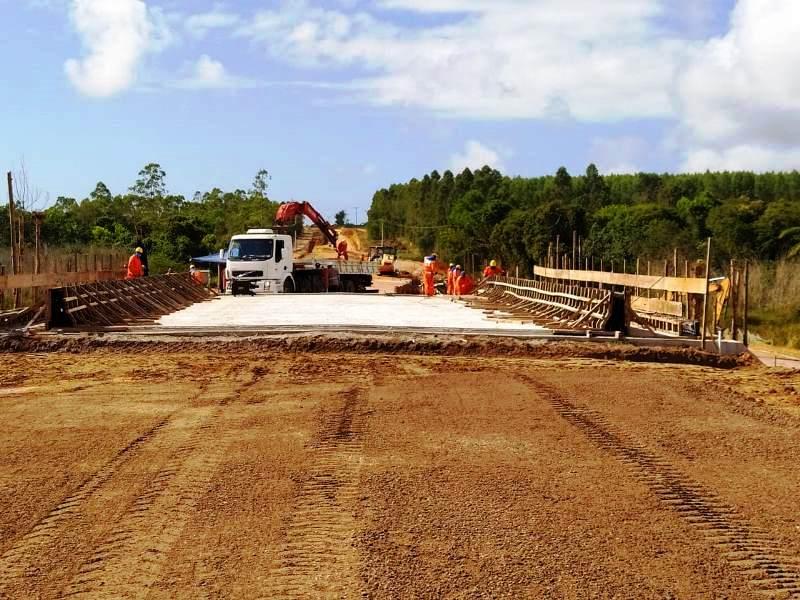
pixel 746 301
pixel 558 251
pixel 705 295
pixel 574 246
pixel 734 298
pixel 12 221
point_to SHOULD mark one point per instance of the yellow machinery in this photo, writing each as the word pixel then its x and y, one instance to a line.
pixel 386 257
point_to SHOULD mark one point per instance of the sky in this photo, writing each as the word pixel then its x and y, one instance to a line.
pixel 339 98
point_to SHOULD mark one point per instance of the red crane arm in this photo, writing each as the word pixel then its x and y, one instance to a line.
pixel 289 210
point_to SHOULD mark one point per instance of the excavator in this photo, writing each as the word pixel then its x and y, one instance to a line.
pixel 288 211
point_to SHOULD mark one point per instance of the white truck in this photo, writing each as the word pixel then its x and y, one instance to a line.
pixel 262 261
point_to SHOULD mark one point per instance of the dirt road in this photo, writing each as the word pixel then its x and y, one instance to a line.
pixel 243 474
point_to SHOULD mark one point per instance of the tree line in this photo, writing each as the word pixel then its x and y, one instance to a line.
pixel 485 214
pixel 170 227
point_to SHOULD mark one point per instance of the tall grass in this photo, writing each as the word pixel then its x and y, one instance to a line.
pixel 775 302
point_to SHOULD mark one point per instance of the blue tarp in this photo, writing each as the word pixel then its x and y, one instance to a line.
pixel 211 259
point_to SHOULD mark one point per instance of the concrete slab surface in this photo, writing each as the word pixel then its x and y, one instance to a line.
pixel 336 309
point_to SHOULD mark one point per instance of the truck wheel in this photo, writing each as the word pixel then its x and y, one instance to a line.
pixel 288 287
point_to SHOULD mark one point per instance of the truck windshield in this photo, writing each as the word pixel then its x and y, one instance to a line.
pixel 250 249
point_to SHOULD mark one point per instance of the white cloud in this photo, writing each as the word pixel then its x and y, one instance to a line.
pixel 618 154
pixel 218 18
pixel 207 73
pixel 739 97
pixel 747 157
pixel 505 59
pixel 475 156
pixel 116 35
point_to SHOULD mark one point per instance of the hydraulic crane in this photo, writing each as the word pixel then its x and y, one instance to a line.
pixel 289 210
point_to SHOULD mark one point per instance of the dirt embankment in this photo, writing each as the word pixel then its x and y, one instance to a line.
pixel 423 344
pixel 255 469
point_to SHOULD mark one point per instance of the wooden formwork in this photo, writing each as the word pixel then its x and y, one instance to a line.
pixel 547 303
pixel 106 303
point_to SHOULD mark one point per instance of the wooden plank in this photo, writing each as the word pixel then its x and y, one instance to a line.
pixel 657 306
pixel 691 285
pixel 52 280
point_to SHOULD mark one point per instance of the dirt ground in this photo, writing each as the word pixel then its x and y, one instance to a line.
pixel 239 471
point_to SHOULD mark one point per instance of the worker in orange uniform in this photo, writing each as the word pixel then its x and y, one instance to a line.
pixel 341 250
pixel 451 281
pixel 493 270
pixel 429 269
pixel 135 267
pixel 465 285
pixel 456 274
pixel 196 275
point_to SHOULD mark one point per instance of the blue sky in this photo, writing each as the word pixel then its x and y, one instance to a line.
pixel 339 98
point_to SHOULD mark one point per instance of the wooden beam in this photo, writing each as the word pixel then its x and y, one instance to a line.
pixel 51 280
pixel 684 285
pixel 657 306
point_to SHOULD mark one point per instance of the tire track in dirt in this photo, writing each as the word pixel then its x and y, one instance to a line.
pixel 17 560
pixel 772 571
pixel 132 556
pixel 317 558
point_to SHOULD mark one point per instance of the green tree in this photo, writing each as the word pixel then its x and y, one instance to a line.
pixel 151 182
pixel 101 192
pixel 340 218
pixel 261 183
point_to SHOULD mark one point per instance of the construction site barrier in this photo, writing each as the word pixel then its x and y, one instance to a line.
pixel 547 303
pixel 106 303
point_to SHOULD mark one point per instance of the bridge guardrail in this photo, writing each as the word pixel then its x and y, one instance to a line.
pixel 548 303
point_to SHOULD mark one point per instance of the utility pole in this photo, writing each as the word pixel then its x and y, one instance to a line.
pixel 356 220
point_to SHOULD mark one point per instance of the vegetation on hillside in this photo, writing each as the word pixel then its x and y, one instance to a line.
pixel 619 217
pixel 170 227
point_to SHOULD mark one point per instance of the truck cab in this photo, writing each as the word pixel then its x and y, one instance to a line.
pixel 260 260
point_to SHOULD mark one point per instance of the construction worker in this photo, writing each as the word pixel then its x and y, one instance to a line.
pixel 341 250
pixel 465 285
pixel 456 274
pixel 143 258
pixel 135 266
pixel 196 275
pixel 493 270
pixel 451 282
pixel 429 269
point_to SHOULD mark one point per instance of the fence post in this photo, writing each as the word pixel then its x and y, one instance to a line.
pixel 558 251
pixel 574 246
pixel 734 298
pixel 746 301
pixel 12 222
pixel 705 295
